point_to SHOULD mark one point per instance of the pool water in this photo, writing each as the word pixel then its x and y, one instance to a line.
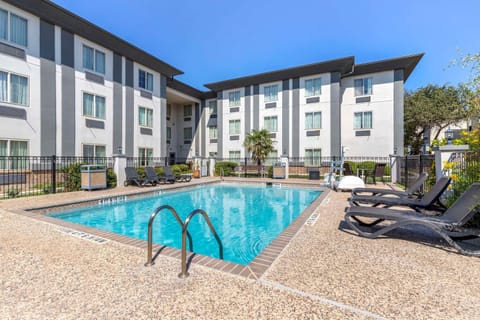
pixel 247 218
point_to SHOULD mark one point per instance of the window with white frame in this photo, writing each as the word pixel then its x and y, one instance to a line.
pixel 313 87
pixel 234 98
pixel 270 93
pixel 313 120
pixel 362 120
pixel 213 132
pixel 212 106
pixel 145 80
pixel 363 87
pixel 313 157
pixel 187 112
pixel 13 154
pixel 187 133
pixel 270 123
pixel 146 156
pixel 13 28
pixel 234 155
pixel 93 59
pixel 93 106
pixel 94 151
pixel 145 117
pixel 13 88
pixel 234 127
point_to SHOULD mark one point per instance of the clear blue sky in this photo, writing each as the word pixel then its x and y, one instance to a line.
pixel 215 40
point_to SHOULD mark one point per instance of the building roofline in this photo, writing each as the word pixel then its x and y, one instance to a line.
pixel 406 63
pixel 341 65
pixel 53 13
pixel 185 88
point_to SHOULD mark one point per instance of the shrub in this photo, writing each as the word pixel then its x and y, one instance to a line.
pixel 13 193
pixel 227 166
pixel 270 172
pixel 72 178
pixel 111 178
pixel 180 168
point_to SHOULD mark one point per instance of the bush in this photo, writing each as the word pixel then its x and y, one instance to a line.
pixel 180 169
pixel 270 172
pixel 111 178
pixel 227 166
pixel 72 180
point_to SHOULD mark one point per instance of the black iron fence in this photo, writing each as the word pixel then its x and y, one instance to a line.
pixel 30 175
pixel 409 167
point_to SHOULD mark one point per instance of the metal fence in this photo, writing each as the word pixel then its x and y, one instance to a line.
pixel 464 169
pixel 30 175
pixel 409 167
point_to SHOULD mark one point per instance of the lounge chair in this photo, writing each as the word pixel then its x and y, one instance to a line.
pixel 452 221
pixel 152 176
pixel 430 201
pixel 409 192
pixel 378 172
pixel 133 177
pixel 170 176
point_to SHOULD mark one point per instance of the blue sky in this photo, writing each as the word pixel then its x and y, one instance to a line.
pixel 215 40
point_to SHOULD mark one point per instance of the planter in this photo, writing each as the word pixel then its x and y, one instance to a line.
pixel 196 173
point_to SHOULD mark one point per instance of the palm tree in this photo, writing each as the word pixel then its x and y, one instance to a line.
pixel 259 144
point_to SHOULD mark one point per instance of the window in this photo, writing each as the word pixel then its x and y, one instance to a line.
pixel 212 106
pixel 13 28
pixel 234 155
pixel 313 120
pixel 234 127
pixel 187 112
pixel 313 157
pixel 270 93
pixel 93 60
pixel 187 133
pixel 234 98
pixel 93 106
pixel 212 132
pixel 146 156
pixel 17 151
pixel 145 117
pixel 363 87
pixel 270 123
pixel 169 111
pixel 13 88
pixel 169 133
pixel 145 80
pixel 362 120
pixel 313 87
pixel 92 150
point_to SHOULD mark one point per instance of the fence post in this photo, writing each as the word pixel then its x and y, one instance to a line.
pixel 53 172
pixel 406 172
pixel 245 168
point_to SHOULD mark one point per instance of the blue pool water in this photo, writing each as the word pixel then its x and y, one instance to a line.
pixel 247 218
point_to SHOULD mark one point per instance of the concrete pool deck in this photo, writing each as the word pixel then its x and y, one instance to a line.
pixel 324 272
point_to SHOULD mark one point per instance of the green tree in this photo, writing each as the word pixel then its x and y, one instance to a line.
pixel 434 108
pixel 259 144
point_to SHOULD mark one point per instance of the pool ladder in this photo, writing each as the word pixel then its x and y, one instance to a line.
pixel 184 225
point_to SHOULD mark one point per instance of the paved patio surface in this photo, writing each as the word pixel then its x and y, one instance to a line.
pixel 325 272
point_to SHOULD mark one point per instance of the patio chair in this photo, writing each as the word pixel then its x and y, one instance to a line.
pixel 449 225
pixel 133 177
pixel 409 192
pixel 378 172
pixel 171 177
pixel 430 201
pixel 152 176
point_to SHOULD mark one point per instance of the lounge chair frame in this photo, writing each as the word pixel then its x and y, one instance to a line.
pixel 414 189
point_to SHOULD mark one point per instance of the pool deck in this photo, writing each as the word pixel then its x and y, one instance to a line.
pixel 323 272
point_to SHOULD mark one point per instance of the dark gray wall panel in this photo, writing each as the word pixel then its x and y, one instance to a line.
pixel 256 107
pixel 270 105
pixel 146 131
pixel 285 117
pixel 68 51
pixel 335 116
pixel 296 118
pixel 362 99
pixel 398 112
pixel 234 109
pixel 94 78
pixel 68 110
pixel 313 100
pixel 129 121
pixel 220 124
pixel 47 40
pixel 90 123
pixel 11 112
pixel 12 51
pixel 48 107
pixel 248 110
pixel 362 133
pixel 234 138
pixel 117 117
pixel 163 86
pixel 313 133
pixel 129 73
pixel 117 68
pixel 146 94
pixel 197 128
pixel 203 147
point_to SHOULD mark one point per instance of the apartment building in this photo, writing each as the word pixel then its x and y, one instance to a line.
pixel 68 87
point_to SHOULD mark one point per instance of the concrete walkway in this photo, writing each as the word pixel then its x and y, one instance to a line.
pixel 326 272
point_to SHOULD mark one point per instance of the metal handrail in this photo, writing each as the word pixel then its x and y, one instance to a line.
pixel 184 272
pixel 150 231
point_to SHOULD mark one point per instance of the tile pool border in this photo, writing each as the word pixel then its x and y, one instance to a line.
pixel 254 270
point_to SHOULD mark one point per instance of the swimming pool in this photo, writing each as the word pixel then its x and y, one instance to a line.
pixel 247 218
